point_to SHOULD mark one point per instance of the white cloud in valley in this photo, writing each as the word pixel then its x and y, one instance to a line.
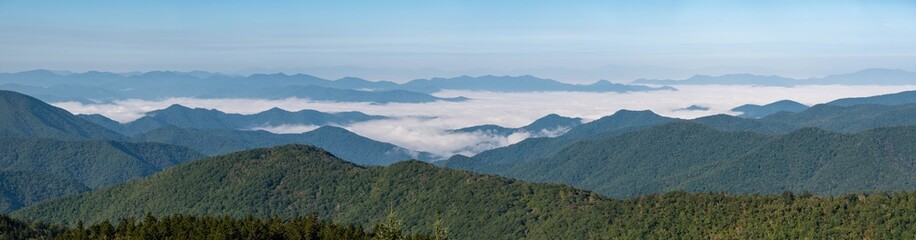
pixel 286 128
pixel 423 126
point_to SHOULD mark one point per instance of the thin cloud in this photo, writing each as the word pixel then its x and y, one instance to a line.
pixel 286 128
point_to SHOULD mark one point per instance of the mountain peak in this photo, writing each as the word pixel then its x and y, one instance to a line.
pixel 551 122
pixel 624 113
pixel 603 82
pixel 40 73
pixel 351 79
pixel 176 107
pixel 332 129
pixel 276 110
pixel 554 119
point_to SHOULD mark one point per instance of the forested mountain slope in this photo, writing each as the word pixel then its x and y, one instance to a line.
pixel 296 180
pixel 92 163
pixel 23 116
pixel 850 119
pixel 343 143
pixel 19 189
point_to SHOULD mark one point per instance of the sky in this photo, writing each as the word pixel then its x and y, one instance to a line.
pixel 575 41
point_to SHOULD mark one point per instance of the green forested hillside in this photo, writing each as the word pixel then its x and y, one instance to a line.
pixel 92 163
pixel 821 162
pixel 343 143
pixel 20 189
pixel 693 157
pixel 847 119
pixel 46 152
pixel 22 116
pixel 295 180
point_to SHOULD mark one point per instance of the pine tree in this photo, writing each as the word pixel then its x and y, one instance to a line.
pixel 390 230
pixel 440 232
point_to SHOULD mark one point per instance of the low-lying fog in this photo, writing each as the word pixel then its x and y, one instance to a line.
pixel 424 126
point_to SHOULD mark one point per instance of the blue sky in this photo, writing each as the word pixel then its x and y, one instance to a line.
pixel 796 38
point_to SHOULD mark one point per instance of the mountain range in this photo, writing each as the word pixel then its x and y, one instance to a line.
pixel 697 158
pixel 97 86
pixel 524 83
pixel 497 160
pixel 199 118
pixel 875 76
pixel 342 143
pixel 64 171
pixel 842 119
pixel 65 154
pixel 297 180
pixel 534 159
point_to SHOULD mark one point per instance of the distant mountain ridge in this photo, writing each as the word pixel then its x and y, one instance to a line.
pixel 185 117
pixel 524 83
pixel 551 123
pixel 900 98
pixel 758 111
pixel 728 79
pixel 874 76
pixel 97 86
pixel 345 144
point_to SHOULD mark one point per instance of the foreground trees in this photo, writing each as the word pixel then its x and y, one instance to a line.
pixel 664 216
pixel 191 227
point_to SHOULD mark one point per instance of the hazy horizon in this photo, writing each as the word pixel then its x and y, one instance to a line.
pixel 335 73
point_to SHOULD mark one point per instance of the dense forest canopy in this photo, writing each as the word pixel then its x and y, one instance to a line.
pixel 296 180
